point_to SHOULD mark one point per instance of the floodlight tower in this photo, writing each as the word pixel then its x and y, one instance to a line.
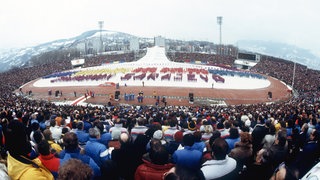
pixel 101 43
pixel 219 21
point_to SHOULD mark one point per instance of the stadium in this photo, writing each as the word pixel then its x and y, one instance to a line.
pixel 159 89
pixel 157 77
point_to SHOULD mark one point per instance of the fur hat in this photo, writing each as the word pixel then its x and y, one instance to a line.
pixel 158 134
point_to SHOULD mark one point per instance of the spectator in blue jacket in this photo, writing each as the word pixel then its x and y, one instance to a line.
pixel 83 137
pixel 96 150
pixel 72 150
pixel 105 137
pixel 187 157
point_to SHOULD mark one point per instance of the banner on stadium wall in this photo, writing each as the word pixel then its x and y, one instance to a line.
pixel 77 62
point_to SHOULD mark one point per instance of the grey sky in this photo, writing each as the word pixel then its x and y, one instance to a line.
pixel 31 22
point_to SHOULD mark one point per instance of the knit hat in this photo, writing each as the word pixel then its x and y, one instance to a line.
pixel 158 134
pixel 178 136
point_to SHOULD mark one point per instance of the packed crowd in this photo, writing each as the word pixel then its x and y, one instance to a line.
pixel 212 59
pixel 45 141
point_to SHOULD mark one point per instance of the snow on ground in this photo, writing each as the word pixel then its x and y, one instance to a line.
pixel 156 57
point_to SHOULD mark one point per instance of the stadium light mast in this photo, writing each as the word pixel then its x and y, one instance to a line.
pixel 101 43
pixel 219 21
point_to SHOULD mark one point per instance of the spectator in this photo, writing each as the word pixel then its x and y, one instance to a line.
pixel 37 138
pixel 96 150
pixel 3 170
pixel 303 136
pixel 198 144
pixel 34 126
pixel 187 157
pixel 55 130
pixel 270 137
pixel 63 124
pixel 118 124
pixel 221 166
pixel 233 138
pixel 279 149
pixel 74 126
pixel 72 150
pixel 48 159
pixel 258 133
pixel 192 126
pixel 105 137
pixel 207 131
pixel 158 134
pixel 225 132
pixel 20 166
pixel 174 145
pixel 75 169
pixel 82 135
pixel 261 167
pixel 309 154
pixel 156 165
pixel 181 172
pixel 207 154
pixel 242 152
pixel 114 142
pixel 125 158
pixel 140 128
pixel 170 132
pixel 55 148
pixel 285 172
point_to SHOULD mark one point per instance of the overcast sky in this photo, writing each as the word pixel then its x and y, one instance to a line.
pixel 31 22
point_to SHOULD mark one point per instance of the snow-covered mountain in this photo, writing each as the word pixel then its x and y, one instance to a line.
pixel 19 57
pixel 281 50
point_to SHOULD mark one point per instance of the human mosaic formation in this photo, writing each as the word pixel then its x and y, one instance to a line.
pixel 41 140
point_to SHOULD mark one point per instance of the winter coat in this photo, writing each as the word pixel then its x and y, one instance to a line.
pixel 65 155
pixel 151 171
pixel 51 163
pixel 242 153
pixel 187 157
pixel 29 169
pixel 97 151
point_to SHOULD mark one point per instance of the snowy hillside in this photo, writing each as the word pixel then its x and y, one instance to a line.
pixel 281 50
pixel 19 57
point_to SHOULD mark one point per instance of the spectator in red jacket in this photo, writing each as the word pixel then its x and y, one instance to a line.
pixel 156 164
pixel 48 159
